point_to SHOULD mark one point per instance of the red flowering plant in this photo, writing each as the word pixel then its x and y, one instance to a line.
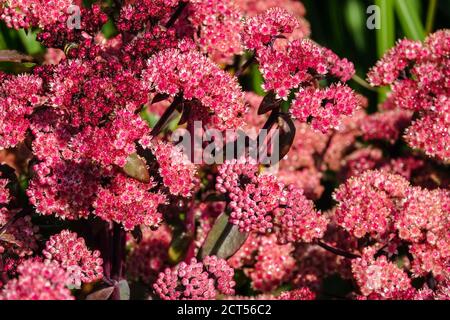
pixel 102 195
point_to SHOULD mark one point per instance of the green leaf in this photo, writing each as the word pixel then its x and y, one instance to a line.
pixel 355 21
pixel 386 33
pixel 30 43
pixel 223 240
pixel 136 168
pixel 124 290
pixel 431 15
pixel 408 14
pixel 179 246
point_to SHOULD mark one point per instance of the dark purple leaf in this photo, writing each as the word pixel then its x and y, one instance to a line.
pixel 160 97
pixel 287 133
pixel 14 56
pixel 269 103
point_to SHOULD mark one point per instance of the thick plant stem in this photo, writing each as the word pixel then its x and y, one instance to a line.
pixel 166 115
pixel 245 66
pixel 118 253
pixel 337 251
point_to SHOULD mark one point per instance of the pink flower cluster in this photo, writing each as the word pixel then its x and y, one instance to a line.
pixel 112 143
pixel 129 202
pixel 71 253
pixel 65 189
pixel 195 77
pixel 379 276
pixel 387 125
pixel 418 75
pixel 301 64
pixel 424 221
pixel 368 204
pixel 24 234
pixel 274 265
pixel 264 28
pixel 25 13
pixel 219 24
pixel 299 221
pixel 135 14
pixel 38 281
pixel 177 171
pixel 254 7
pixel 196 280
pixel 18 97
pixel 326 107
pixel 253 196
pixel 298 294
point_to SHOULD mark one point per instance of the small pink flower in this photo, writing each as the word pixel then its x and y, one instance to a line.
pixel 38 281
pixel 196 280
pixel 129 202
pixel 71 253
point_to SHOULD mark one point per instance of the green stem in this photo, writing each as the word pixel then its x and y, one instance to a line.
pixel 363 83
pixel 432 8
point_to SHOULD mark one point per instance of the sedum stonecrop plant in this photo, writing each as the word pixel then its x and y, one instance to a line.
pixel 97 199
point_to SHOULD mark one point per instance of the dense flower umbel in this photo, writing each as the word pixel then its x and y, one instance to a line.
pixel 299 64
pixel 220 26
pixel 265 27
pixel 18 97
pixel 326 106
pixel 418 74
pixel 379 276
pixel 196 280
pixel 274 265
pixel 431 133
pixel 368 204
pixel 177 171
pixel 38 281
pixel 195 77
pixel 424 221
pixel 76 129
pixel 39 13
pixel 253 196
pixel 299 221
pixel 113 143
pixel 254 7
pixel 129 202
pixel 71 253
pixel 65 189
